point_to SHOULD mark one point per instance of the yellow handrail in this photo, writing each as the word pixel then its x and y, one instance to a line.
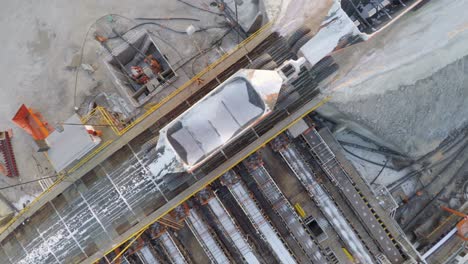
pixel 326 99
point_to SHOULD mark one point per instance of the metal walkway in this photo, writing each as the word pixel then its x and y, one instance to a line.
pixel 206 239
pixel 231 230
pixel 171 249
pixel 359 203
pixel 256 217
pixel 287 214
pixel 326 204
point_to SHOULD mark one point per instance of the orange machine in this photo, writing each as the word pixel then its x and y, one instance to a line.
pixel 462 226
pixel 32 122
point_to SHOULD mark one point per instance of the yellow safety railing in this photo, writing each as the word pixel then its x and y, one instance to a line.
pixel 194 79
pixel 60 177
pixel 89 156
pixel 141 230
pixel 109 120
pixel 118 132
pixel 84 119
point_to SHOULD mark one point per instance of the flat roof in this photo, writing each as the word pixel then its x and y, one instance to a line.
pixel 71 144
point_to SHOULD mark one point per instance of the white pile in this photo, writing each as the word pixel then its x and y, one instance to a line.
pixel 291 14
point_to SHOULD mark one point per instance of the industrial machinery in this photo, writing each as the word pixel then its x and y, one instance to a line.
pixel 220 117
pixel 138 68
pixel 32 122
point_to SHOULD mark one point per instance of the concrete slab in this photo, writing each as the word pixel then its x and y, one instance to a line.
pixel 71 144
pixel 42 55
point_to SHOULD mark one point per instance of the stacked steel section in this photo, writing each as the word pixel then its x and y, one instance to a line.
pixel 283 208
pixel 206 239
pixel 323 200
pixel 358 202
pixel 230 229
pixel 256 217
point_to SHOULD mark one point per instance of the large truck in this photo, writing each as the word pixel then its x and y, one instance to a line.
pixel 222 116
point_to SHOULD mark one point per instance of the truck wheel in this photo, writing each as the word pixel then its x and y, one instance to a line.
pixel 298 34
pixel 260 61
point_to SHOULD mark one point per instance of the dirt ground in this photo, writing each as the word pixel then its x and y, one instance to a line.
pixel 41 53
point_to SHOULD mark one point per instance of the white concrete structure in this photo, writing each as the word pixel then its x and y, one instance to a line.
pixel 232 231
pixel 71 144
pixel 172 250
pixel 326 204
pixel 263 226
pixel 208 242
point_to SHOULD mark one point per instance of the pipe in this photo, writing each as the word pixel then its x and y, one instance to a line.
pixel 439 244
pixel 168 18
pixel 450 210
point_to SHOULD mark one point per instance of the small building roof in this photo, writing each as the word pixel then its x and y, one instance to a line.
pixel 71 144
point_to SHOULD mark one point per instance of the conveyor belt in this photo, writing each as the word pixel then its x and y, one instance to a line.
pixel 147 256
pixel 255 215
pixel 289 217
pixel 358 202
pixel 206 238
pixel 232 231
pixel 172 250
pixel 326 204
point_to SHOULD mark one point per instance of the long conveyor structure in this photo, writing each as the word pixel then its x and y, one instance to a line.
pixel 206 239
pixel 358 202
pixel 256 217
pixel 146 256
pixel 325 203
pixel 173 251
pixel 231 230
pixel 284 209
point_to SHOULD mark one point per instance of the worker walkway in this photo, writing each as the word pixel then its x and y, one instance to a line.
pixel 231 230
pixel 170 247
pixel 287 214
pixel 206 239
pixel 256 217
pixel 325 203
pixel 358 202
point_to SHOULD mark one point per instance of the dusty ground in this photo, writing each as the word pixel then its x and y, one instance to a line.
pixel 41 52
pixel 408 85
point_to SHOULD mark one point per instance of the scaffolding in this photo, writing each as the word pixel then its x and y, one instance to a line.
pixel 258 220
pixel 171 248
pixel 231 230
pixel 357 200
pixel 286 212
pixel 206 239
pixel 325 203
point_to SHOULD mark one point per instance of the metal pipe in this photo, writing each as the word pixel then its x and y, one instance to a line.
pixel 450 210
